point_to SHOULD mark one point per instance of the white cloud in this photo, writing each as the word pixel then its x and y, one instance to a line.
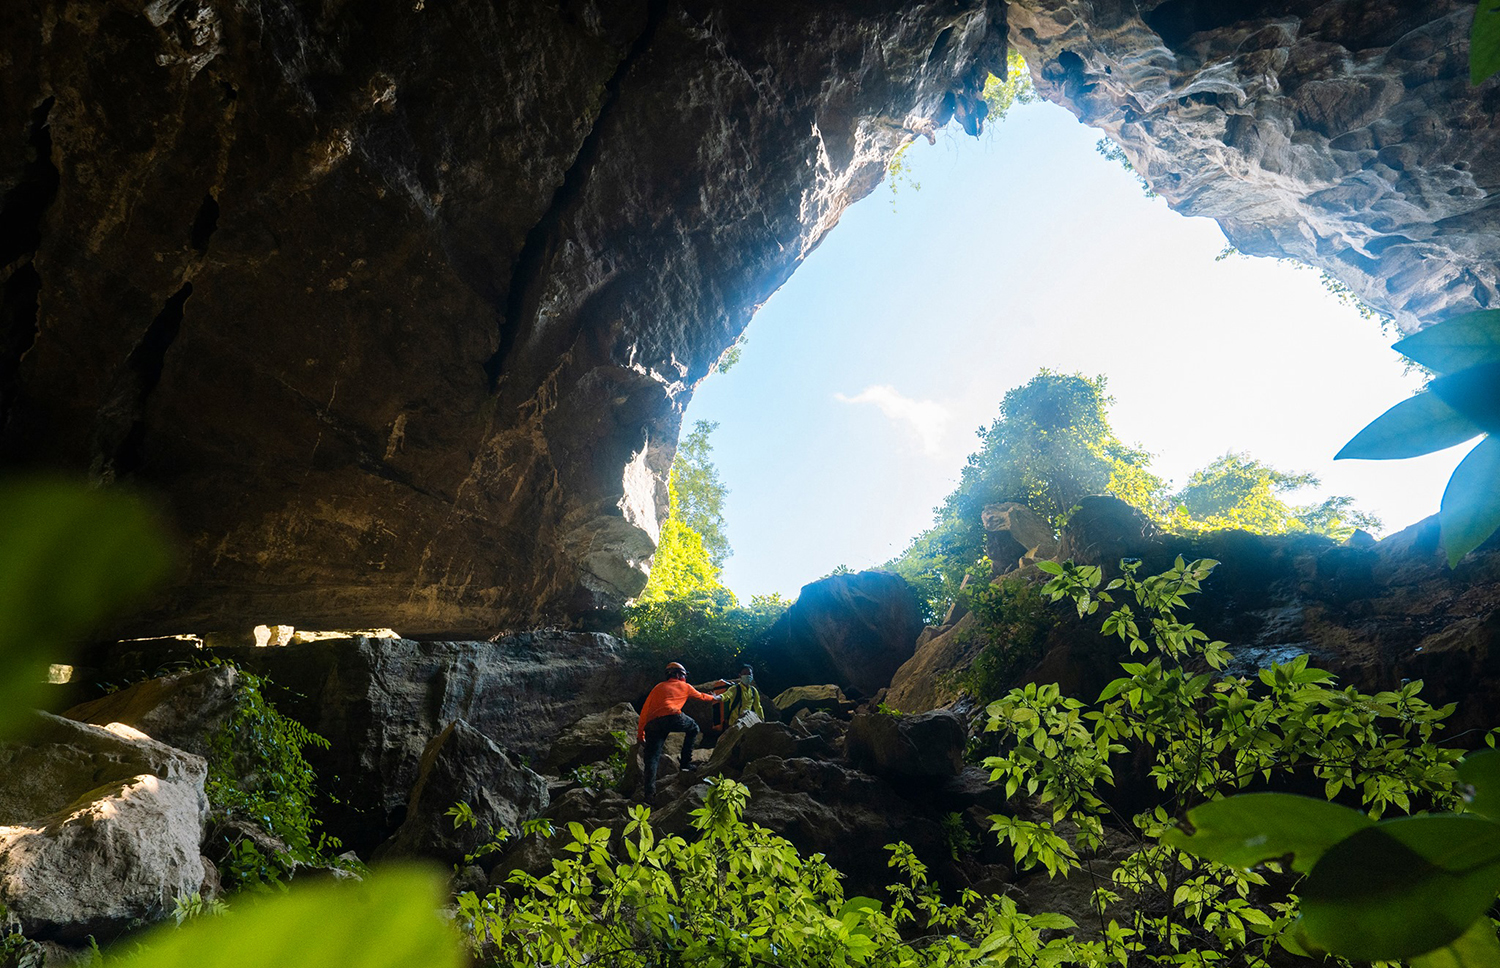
pixel 928 419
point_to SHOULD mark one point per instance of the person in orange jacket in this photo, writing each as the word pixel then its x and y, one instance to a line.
pixel 662 714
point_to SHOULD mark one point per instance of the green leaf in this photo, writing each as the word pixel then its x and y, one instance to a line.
pixel 1403 887
pixel 1050 567
pixel 71 558
pixel 1474 392
pixel 1475 948
pixel 1455 344
pixel 1246 830
pixel 389 920
pixel 1481 772
pixel 1470 511
pixel 1484 42
pixel 1417 425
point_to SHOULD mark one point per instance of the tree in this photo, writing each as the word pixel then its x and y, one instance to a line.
pixel 1050 447
pixel 1238 491
pixel 693 546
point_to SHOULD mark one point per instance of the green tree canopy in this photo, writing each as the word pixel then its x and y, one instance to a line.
pixel 693 546
pixel 1051 446
pixel 1238 491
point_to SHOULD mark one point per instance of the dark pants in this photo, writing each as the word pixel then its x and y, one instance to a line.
pixel 656 738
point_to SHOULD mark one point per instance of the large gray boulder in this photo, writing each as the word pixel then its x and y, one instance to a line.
pixel 99 829
pixel 592 739
pixel 895 747
pixel 380 700
pixel 1013 532
pixel 852 630
pixel 461 764
pixel 183 710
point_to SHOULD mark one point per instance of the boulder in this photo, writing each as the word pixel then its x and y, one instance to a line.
pixel 930 678
pixel 853 630
pixel 825 698
pixel 461 764
pixel 380 700
pixel 1105 529
pixel 902 748
pixel 99 829
pixel 182 710
pixel 750 740
pixel 591 739
pixel 1013 531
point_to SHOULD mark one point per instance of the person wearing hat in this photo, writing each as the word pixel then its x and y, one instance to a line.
pixel 661 715
pixel 738 697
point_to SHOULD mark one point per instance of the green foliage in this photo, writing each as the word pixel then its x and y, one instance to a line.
pixel 1204 735
pixel 194 905
pixel 737 895
pixel 1331 284
pixel 1484 42
pixel 1413 886
pixel 257 773
pixel 957 836
pixel 685 612
pixel 693 546
pixel 1013 619
pixel 701 633
pixel 1050 447
pixel 388 920
pixel 1237 491
pixel 71 558
pixel 18 951
pixel 1003 94
pixel 1460 403
pixel 1112 151
pixel 612 768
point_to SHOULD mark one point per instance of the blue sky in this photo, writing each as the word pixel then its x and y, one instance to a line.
pixel 855 402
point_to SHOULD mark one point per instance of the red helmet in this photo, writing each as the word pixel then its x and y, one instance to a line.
pixel 676 669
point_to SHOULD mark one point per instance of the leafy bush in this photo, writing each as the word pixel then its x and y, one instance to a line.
pixel 1013 619
pixel 738 895
pixel 612 768
pixel 257 773
pixel 709 633
pixel 1204 735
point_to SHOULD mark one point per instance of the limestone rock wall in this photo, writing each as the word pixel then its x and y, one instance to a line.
pixel 1344 133
pixel 399 302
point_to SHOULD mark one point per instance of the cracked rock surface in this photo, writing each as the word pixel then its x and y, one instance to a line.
pixel 1344 133
pixel 399 302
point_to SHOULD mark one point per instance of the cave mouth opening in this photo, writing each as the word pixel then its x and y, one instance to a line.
pixel 851 409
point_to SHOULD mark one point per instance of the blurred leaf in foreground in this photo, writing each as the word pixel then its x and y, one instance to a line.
pixel 389 920
pixel 71 558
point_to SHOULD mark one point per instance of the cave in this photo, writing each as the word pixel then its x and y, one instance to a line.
pixel 396 306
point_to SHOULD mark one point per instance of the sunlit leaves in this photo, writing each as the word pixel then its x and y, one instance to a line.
pixel 1461 401
pixel 1417 425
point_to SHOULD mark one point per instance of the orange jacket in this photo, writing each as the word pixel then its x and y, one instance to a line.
pixel 666 700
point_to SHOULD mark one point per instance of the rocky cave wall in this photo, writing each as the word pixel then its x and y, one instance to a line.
pixel 1343 133
pixel 399 303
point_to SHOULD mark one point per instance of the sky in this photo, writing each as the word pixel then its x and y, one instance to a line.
pixel 856 399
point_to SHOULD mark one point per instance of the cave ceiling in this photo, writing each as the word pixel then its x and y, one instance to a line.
pixel 397 305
